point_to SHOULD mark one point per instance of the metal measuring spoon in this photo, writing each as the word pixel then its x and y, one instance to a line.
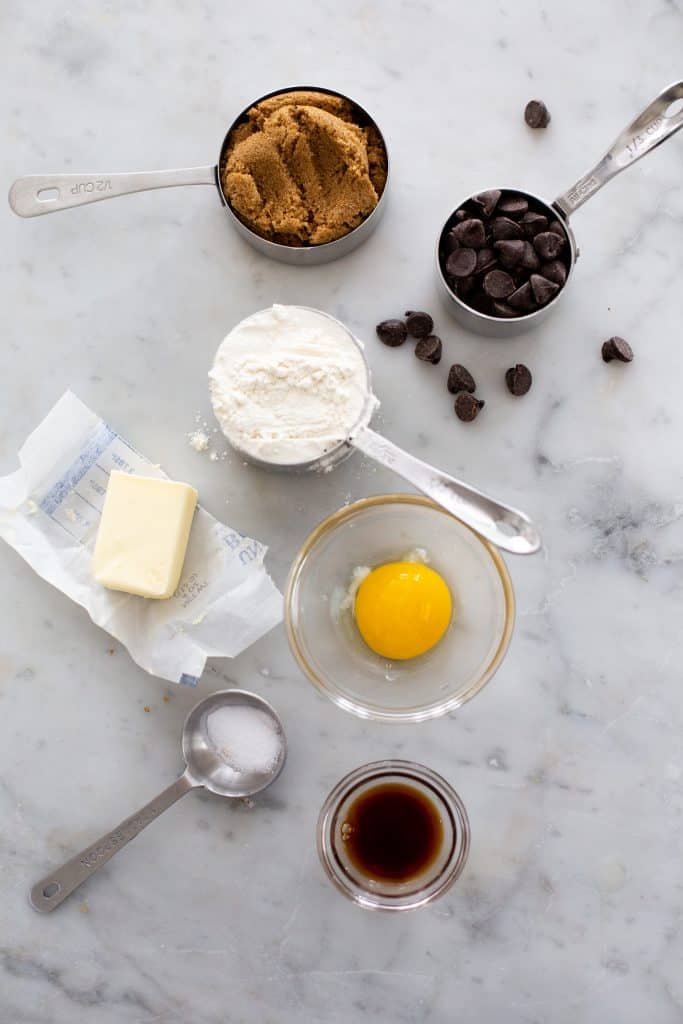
pixel 38 194
pixel 204 768
pixel 652 127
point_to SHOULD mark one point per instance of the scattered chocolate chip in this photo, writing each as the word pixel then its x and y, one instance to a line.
pixel 503 227
pixel 533 222
pixel 510 252
pixel 502 309
pixel 429 349
pixel 548 244
pixel 470 233
pixel 555 271
pixel 536 114
pixel 467 407
pixel 392 332
pixel 419 324
pixel 557 228
pixel 461 263
pixel 460 379
pixel 498 284
pixel 523 299
pixel 617 348
pixel 543 289
pixel 513 206
pixel 487 200
pixel 486 260
pixel 518 379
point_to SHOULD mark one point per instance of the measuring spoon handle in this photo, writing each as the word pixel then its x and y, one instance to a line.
pixel 503 526
pixel 46 193
pixel 52 890
pixel 652 127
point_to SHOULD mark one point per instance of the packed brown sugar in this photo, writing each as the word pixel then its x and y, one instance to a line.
pixel 300 170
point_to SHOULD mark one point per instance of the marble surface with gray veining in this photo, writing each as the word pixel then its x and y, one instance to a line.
pixel 571 761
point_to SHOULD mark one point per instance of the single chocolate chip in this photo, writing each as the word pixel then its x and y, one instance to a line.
pixel 486 260
pixel 429 349
pixel 392 332
pixel 555 271
pixel 460 215
pixel 533 222
pixel 487 200
pixel 470 233
pixel 543 289
pixel 419 324
pixel 513 206
pixel 530 260
pixel 536 114
pixel 498 284
pixel 467 407
pixel 504 311
pixel 461 263
pixel 510 252
pixel 548 245
pixel 450 243
pixel 518 379
pixel 460 379
pixel 503 227
pixel 617 348
pixel 523 299
pixel 557 228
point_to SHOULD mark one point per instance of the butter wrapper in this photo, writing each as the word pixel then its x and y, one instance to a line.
pixel 50 512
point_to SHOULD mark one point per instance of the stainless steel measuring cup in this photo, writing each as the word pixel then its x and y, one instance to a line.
pixel 205 767
pixel 39 194
pixel 652 127
pixel 504 526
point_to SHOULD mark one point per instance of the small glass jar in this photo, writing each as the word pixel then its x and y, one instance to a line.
pixel 380 894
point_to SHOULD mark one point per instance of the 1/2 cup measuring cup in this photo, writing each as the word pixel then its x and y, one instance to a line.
pixel 504 526
pixel 38 194
pixel 661 119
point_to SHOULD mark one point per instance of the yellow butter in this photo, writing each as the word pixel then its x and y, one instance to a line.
pixel 143 535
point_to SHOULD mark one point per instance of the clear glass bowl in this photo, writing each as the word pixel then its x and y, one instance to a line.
pixel 327 645
pixel 447 864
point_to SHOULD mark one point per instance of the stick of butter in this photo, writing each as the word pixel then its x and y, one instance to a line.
pixel 143 534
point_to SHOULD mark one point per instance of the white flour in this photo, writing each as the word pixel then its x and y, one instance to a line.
pixel 288 384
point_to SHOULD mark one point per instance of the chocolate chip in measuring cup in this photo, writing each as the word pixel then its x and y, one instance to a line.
pixel 419 323
pixel 617 348
pixel 518 379
pixel 498 284
pixel 429 349
pixel 513 206
pixel 461 263
pixel 487 201
pixel 523 299
pixel 555 271
pixel 532 223
pixel 510 252
pixel 536 114
pixel 467 407
pixel 470 233
pixel 502 310
pixel 486 260
pixel 503 228
pixel 392 332
pixel 549 245
pixel 543 289
pixel 460 379
pixel 556 228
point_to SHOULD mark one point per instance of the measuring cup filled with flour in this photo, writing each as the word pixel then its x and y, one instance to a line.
pixel 291 389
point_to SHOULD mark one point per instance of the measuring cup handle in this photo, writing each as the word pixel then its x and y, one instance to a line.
pixel 52 890
pixel 38 194
pixel 502 525
pixel 652 127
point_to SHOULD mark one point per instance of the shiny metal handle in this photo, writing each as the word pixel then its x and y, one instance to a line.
pixel 648 131
pixel 52 890
pixel 503 526
pixel 46 193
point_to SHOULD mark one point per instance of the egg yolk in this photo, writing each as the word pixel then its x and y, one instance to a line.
pixel 402 610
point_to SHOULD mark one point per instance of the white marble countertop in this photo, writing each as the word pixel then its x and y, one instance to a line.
pixel 571 761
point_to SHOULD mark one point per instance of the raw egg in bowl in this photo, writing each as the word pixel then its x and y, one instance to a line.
pixel 396 610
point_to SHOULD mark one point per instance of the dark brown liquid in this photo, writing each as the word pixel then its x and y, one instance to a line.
pixel 392 832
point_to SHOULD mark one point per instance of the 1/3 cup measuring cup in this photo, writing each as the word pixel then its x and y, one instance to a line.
pixel 661 119
pixel 38 194
pixel 504 526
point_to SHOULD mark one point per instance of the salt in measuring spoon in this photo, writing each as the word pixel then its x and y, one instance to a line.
pixel 206 766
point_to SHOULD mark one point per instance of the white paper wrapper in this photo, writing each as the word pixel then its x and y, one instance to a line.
pixel 50 511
